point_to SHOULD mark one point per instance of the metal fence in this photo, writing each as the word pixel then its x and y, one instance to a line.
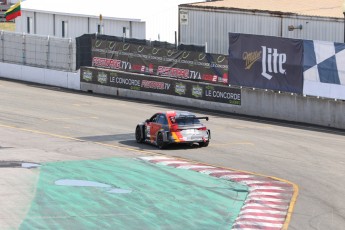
pixel 38 51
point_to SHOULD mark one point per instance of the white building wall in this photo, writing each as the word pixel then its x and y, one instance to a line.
pixel 21 22
pixel 212 27
pixel 76 26
pixel 51 24
pixel 138 30
pixel 115 27
pixel 314 29
pixel 43 24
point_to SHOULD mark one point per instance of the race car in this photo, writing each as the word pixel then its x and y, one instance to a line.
pixel 171 127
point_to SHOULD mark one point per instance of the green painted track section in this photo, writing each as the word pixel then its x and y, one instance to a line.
pixel 161 197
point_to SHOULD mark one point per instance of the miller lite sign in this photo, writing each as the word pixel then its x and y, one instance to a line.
pixel 272 62
pixel 266 62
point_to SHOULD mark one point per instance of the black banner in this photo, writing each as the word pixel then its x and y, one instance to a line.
pixel 83 51
pixel 158 61
pixel 189 89
pixel 266 62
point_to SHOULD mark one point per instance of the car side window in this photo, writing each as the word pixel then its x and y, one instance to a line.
pixel 162 120
pixel 154 118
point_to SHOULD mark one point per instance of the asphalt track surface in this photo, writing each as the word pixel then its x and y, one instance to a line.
pixel 32 116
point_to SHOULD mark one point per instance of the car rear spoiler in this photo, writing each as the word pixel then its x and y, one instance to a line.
pixel 186 117
pixel 202 118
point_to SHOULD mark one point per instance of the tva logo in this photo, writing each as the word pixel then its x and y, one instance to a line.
pixel 272 62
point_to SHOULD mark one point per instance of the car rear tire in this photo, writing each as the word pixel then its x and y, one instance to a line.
pixel 138 135
pixel 204 144
pixel 160 142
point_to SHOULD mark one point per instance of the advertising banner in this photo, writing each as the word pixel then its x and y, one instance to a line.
pixel 324 69
pixel 266 62
pixel 169 86
pixel 162 62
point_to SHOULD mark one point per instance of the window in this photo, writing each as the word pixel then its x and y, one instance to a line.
pixel 125 32
pixel 29 25
pixel 100 29
pixel 64 29
pixel 154 118
pixel 187 120
pixel 162 120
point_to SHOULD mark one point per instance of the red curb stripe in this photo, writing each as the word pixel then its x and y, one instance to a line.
pixel 275 184
pixel 278 197
pixel 175 165
pixel 200 169
pixel 287 192
pixel 247 226
pixel 264 221
pixel 278 216
pixel 268 203
pixel 264 208
pixel 161 160
pixel 228 173
pixel 251 179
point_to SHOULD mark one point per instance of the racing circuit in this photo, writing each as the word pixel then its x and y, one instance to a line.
pixel 83 164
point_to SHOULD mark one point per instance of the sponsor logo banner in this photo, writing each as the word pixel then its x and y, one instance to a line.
pixel 169 86
pixel 162 62
pixel 266 62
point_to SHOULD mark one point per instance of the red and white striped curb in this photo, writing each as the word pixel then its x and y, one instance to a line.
pixel 268 200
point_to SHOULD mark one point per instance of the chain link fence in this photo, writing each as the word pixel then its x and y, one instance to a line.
pixel 38 51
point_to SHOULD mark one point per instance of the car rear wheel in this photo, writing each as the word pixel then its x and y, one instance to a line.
pixel 160 141
pixel 138 135
pixel 204 144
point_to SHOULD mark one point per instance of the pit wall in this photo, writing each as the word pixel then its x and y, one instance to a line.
pixel 257 103
pixel 63 79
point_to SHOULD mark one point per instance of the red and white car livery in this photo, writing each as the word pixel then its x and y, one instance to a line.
pixel 170 127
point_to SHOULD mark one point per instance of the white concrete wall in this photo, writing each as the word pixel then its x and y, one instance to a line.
pixel 257 103
pixel 69 80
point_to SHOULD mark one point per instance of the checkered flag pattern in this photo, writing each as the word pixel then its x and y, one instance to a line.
pixel 324 62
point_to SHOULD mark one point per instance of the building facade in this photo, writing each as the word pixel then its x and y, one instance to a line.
pixel 71 26
pixel 209 23
pixel 150 19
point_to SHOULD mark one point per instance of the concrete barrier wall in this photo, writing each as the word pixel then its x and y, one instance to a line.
pixel 259 103
pixel 69 80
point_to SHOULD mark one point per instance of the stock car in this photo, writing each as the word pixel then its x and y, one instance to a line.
pixel 170 127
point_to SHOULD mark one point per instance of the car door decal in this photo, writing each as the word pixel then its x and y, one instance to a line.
pixel 147 131
pixel 155 127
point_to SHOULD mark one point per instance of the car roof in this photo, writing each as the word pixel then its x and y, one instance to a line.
pixel 179 113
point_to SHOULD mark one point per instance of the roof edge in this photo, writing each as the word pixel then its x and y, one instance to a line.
pixel 277 13
pixel 82 15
